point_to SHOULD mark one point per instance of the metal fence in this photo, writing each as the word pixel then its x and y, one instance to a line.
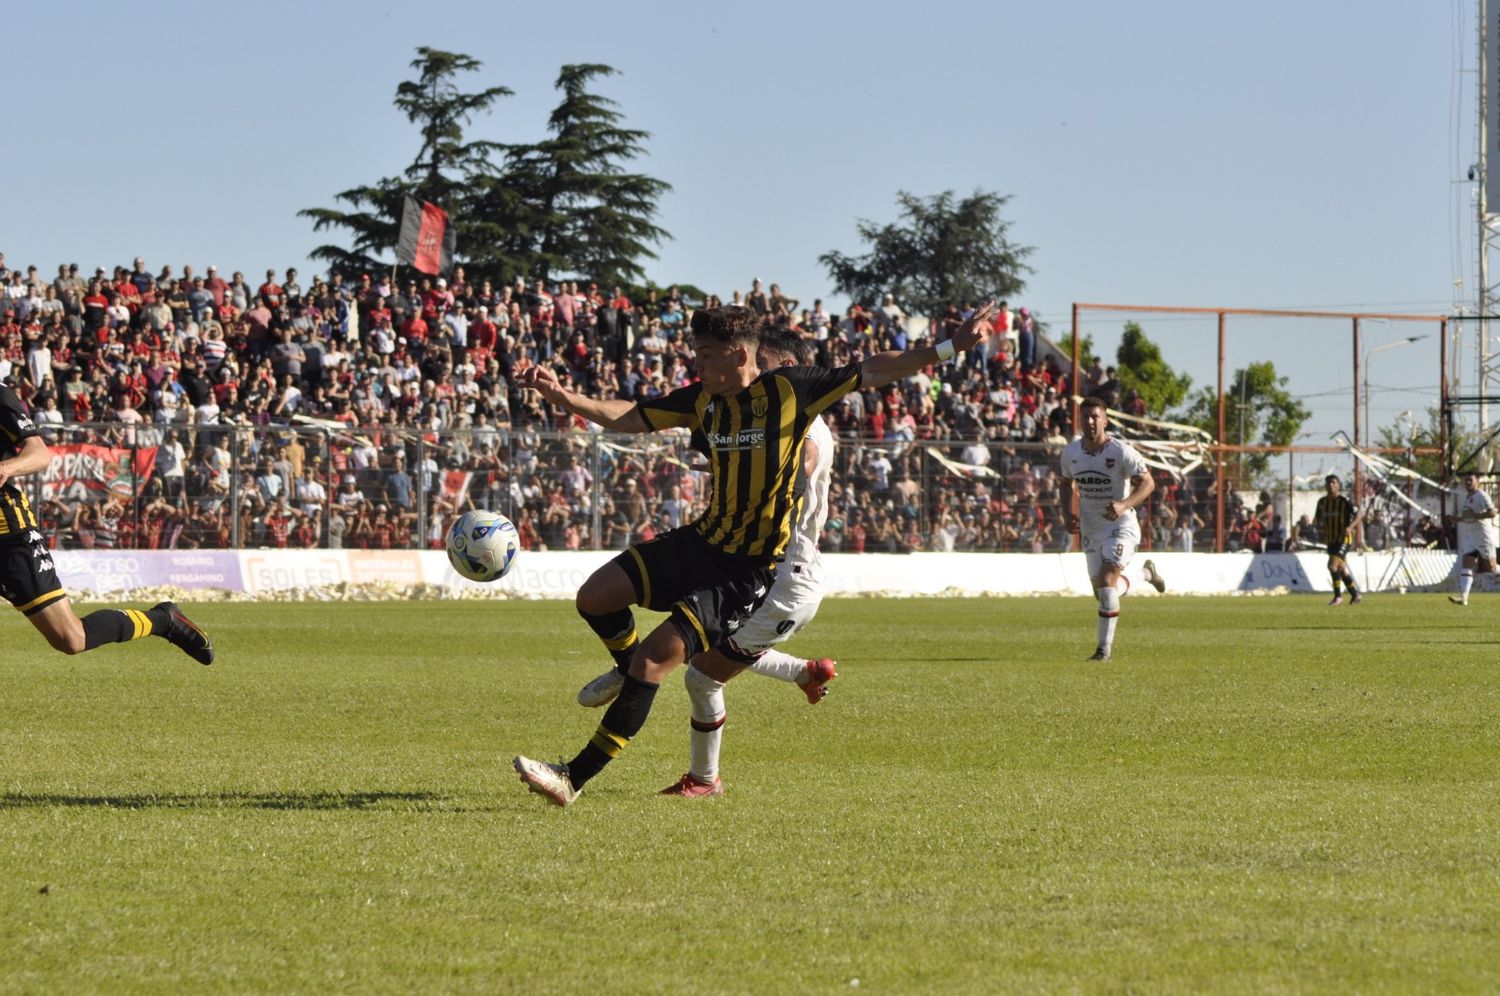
pixel 245 486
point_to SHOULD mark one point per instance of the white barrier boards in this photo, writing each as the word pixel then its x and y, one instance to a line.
pixel 542 574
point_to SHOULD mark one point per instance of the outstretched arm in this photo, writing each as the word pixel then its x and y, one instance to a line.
pixel 615 415
pixel 885 368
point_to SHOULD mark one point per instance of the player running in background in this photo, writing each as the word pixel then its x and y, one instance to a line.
pixel 1110 481
pixel 1337 517
pixel 709 575
pixel 1476 536
pixel 28 579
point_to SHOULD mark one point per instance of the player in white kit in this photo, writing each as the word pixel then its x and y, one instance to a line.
pixel 1476 536
pixel 1110 481
pixel 791 604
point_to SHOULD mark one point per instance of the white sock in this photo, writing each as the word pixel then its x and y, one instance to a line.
pixel 1465 582
pixel 707 698
pixel 1122 585
pixel 1109 614
pixel 781 666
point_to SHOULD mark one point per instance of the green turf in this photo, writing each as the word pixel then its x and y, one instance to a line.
pixel 1256 795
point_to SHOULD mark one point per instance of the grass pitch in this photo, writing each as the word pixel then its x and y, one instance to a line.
pixel 1256 795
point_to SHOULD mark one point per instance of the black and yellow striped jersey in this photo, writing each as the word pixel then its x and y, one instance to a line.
pixel 755 445
pixel 1335 514
pixel 17 519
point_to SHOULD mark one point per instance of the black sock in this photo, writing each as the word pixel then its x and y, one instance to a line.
pixel 616 630
pixel 1336 582
pixel 622 720
pixel 1349 583
pixel 122 625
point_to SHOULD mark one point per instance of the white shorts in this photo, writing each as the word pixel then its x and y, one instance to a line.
pixel 1115 545
pixel 790 604
pixel 1474 538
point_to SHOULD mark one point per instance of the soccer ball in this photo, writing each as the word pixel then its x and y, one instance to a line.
pixel 482 545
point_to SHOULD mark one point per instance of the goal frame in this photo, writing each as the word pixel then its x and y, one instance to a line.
pixel 1219 448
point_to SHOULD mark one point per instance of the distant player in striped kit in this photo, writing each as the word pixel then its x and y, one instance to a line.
pixel 1110 481
pixel 28 579
pixel 1476 536
pixel 1337 516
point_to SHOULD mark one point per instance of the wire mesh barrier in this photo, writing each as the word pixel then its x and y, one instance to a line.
pixel 112 485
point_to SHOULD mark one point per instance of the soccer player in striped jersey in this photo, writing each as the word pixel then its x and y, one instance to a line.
pixel 28 578
pixel 791 604
pixel 711 574
pixel 1476 536
pixel 1337 516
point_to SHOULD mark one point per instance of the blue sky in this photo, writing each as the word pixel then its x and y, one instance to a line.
pixel 1281 154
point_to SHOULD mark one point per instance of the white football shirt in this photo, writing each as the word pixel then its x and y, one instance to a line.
pixel 803 548
pixel 1478 503
pixel 1101 478
pixel 1476 534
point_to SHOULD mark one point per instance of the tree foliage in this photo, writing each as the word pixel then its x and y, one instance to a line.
pixel 566 205
pixel 1086 352
pixel 1258 411
pixel 1471 449
pixel 944 250
pixel 587 215
pixel 439 173
pixel 1143 371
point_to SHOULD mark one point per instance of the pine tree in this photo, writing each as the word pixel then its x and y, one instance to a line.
pixel 582 212
pixel 441 173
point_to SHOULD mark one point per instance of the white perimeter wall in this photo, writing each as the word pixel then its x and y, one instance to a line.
pixel 558 575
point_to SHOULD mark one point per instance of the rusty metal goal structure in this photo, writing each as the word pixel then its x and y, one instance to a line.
pixel 1471 400
pixel 1230 328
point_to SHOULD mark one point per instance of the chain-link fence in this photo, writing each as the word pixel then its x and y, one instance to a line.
pixel 224 487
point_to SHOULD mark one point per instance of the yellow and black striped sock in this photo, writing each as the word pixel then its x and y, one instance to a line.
pixel 622 721
pixel 122 625
pixel 616 630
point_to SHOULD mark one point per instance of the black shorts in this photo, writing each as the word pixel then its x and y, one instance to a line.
pixel 27 578
pixel 709 594
pixel 1339 549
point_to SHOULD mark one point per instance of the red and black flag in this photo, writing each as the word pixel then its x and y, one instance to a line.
pixel 427 240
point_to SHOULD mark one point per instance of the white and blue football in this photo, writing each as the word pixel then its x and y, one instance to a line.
pixel 482 546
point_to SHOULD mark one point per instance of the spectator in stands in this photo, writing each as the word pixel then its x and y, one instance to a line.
pixel 193 355
pixel 398 485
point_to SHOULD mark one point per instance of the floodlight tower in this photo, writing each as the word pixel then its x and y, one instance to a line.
pixel 1486 371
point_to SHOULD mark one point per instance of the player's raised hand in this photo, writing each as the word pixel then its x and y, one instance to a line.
pixel 976 327
pixel 544 379
pixel 4 476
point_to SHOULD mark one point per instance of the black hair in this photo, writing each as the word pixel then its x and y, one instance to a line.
pixel 787 342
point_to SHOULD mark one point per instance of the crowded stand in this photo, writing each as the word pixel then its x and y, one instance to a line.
pixel 187 410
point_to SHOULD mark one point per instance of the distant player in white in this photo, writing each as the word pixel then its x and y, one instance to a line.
pixel 1476 536
pixel 1110 481
pixel 790 604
